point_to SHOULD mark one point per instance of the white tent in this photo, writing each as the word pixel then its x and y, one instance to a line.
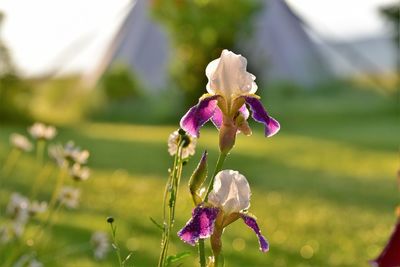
pixel 283 48
pixel 140 44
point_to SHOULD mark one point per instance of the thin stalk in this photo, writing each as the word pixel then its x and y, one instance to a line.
pixel 39 179
pixel 11 161
pixel 115 245
pixel 59 184
pixel 218 167
pixel 40 146
pixel 171 189
pixel 202 254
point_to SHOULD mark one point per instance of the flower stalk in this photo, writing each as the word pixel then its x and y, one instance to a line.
pixel 171 191
pixel 11 161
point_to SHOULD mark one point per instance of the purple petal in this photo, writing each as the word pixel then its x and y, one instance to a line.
pixel 198 115
pixel 259 114
pixel 390 255
pixel 217 117
pixel 201 225
pixel 251 222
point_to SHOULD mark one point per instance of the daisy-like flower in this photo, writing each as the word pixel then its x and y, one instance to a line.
pixel 41 131
pixel 189 146
pixel 79 173
pixel 56 153
pixel 17 208
pixel 20 142
pixel 6 234
pixel 101 245
pixel 228 202
pixel 28 260
pixel 36 207
pixel 69 197
pixel 75 154
pixel 230 88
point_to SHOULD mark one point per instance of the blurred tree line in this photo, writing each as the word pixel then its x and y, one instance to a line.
pixel 14 92
pixel 392 14
pixel 199 30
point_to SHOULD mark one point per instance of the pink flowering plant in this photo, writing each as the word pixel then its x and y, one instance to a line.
pixel 229 100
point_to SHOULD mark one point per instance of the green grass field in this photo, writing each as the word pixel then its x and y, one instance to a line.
pixel 323 189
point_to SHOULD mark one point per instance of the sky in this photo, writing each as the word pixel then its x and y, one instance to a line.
pixel 72 35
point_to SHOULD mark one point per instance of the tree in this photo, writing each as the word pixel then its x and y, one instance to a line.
pixel 200 30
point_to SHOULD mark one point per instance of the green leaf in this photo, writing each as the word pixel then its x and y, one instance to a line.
pixel 159 226
pixel 174 258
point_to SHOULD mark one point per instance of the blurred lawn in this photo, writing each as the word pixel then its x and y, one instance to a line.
pixel 324 189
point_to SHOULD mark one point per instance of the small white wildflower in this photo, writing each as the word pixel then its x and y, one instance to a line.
pixel 20 142
pixel 40 131
pixel 75 153
pixel 37 207
pixel 6 234
pixel 28 260
pixel 56 153
pixel 188 148
pixel 101 245
pixel 79 173
pixel 35 263
pixel 69 196
pixel 17 208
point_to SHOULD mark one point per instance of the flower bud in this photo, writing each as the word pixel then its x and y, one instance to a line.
pixel 197 179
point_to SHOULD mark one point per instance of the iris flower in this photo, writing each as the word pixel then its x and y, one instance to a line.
pixel 390 256
pixel 231 89
pixel 228 202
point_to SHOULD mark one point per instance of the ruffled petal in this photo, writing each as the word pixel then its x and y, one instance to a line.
pixel 390 256
pixel 198 115
pixel 259 114
pixel 201 225
pixel 251 222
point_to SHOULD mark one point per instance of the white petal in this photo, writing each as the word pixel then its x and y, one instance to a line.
pixel 231 192
pixel 227 76
pixel 210 70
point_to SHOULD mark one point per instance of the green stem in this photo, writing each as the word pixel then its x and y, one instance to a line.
pixel 171 189
pixel 39 179
pixel 218 167
pixel 41 145
pixel 113 230
pixel 202 254
pixel 56 191
pixel 11 161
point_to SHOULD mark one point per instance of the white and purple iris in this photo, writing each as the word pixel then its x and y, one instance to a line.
pixel 229 201
pixel 230 87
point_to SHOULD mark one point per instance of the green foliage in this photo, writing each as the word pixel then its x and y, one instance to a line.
pixel 14 92
pixel 199 30
pixel 147 108
pixel 119 83
pixel 392 14
pixel 15 95
pixel 331 169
